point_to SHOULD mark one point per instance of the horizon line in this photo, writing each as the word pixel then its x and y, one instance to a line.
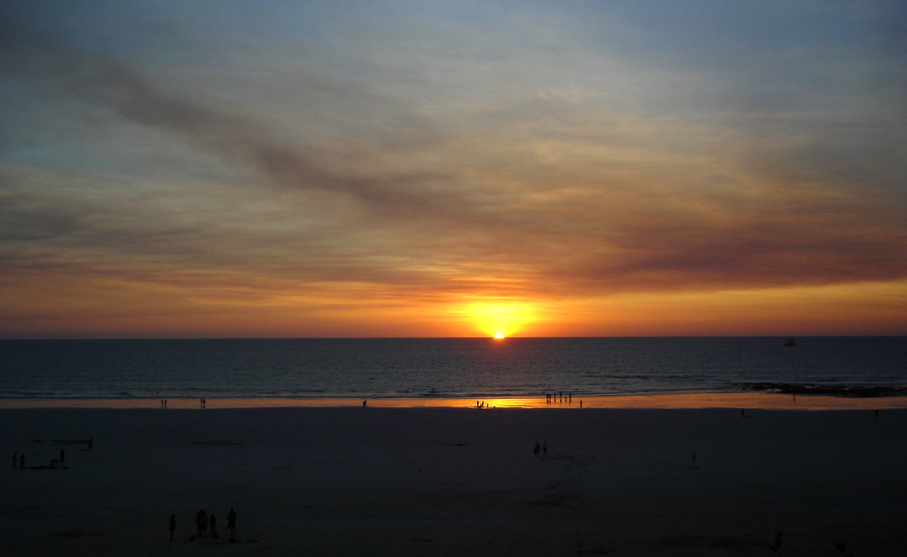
pixel 851 335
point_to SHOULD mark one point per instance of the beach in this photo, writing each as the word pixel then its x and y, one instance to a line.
pixel 397 480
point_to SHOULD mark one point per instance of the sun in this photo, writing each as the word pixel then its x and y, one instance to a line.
pixel 498 316
pixel 499 336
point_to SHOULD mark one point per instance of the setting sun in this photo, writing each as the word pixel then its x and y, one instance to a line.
pixel 498 317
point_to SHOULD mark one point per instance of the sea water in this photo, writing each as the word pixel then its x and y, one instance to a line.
pixel 458 367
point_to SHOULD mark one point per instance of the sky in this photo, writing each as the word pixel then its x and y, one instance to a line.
pixel 424 169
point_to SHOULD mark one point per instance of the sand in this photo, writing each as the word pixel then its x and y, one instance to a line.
pixel 457 481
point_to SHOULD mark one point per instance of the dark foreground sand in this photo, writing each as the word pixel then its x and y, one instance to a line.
pixel 455 481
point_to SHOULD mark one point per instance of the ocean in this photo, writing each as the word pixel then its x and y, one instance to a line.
pixel 454 367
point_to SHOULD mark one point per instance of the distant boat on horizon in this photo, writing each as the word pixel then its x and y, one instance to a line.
pixel 791 341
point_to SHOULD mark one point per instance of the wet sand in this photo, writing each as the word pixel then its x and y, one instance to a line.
pixel 696 400
pixel 457 481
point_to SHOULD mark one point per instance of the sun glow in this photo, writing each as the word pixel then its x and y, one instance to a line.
pixel 501 319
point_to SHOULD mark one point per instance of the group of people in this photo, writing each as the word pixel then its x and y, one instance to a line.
pixel 559 397
pixel 204 522
pixel 20 460
pixel 541 449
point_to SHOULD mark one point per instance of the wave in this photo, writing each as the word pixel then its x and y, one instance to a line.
pixel 807 389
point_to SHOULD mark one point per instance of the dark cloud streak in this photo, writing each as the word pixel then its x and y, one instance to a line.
pixel 101 81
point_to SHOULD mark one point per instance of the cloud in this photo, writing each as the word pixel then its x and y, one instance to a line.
pixel 100 81
pixel 430 164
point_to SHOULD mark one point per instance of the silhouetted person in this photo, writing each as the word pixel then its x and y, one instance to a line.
pixel 90 442
pixel 778 541
pixel 231 522
pixel 22 461
pixel 62 457
pixel 363 403
pixel 198 523
pixel 580 403
pixel 204 523
pixel 172 525
pixel 537 448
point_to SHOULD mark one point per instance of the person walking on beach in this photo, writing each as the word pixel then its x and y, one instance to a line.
pixel 198 523
pixel 537 448
pixel 90 442
pixel 172 525
pixel 231 522
pixel 22 461
pixel 62 458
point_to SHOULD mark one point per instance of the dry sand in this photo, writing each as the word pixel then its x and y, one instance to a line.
pixel 457 481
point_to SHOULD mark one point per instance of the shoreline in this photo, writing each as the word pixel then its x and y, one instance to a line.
pixel 685 400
